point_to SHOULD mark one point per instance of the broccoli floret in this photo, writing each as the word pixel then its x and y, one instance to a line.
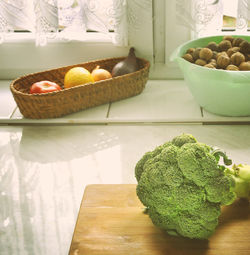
pixel 166 222
pixel 183 186
pixel 140 164
pixel 208 211
pixel 189 196
pixel 182 139
pixel 190 225
pixel 197 163
pixel 221 190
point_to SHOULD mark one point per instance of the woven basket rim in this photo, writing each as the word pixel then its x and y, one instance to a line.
pixel 14 90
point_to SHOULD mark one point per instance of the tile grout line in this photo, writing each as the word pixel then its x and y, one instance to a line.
pixel 13 112
pixel 202 114
pixel 108 111
pixel 128 122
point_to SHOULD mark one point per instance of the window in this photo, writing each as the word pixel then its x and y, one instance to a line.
pixel 229 15
pixel 20 55
pixel 235 10
pixel 154 28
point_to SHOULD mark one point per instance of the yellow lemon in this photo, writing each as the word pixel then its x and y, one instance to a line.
pixel 77 76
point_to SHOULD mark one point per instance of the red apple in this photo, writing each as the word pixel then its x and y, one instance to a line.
pixel 44 87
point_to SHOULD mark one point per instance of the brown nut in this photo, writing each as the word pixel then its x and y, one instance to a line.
pixel 223 61
pixel 221 53
pixel 213 62
pixel 237 41
pixel 224 45
pixel 206 54
pixel 245 47
pixel 200 62
pixel 213 46
pixel 232 68
pixel 214 54
pixel 209 66
pixel 232 50
pixel 190 50
pixel 237 58
pixel 244 66
pixel 188 57
pixel 247 57
pixel 229 38
pixel 196 53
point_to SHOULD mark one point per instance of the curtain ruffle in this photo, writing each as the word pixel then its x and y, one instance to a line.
pixel 64 19
pixel 205 17
pixel 243 16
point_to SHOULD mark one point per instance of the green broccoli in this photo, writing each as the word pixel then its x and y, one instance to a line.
pixel 183 186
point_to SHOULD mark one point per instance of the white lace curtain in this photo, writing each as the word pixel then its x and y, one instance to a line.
pixel 205 17
pixel 65 19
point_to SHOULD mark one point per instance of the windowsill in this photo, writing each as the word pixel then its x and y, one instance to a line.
pixel 163 101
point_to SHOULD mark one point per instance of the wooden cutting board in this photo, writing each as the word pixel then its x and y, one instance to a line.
pixel 111 222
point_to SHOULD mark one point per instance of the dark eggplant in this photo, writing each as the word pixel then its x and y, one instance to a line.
pixel 128 65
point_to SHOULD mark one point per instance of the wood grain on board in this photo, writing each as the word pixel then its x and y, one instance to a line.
pixel 112 221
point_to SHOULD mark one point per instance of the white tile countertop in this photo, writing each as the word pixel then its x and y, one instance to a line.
pixel 44 170
pixel 163 101
pixel 45 167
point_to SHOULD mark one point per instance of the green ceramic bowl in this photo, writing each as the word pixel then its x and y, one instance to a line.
pixel 221 92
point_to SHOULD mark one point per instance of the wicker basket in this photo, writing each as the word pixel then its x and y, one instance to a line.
pixel 66 101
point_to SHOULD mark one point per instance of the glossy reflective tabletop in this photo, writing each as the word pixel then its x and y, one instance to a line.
pixel 45 169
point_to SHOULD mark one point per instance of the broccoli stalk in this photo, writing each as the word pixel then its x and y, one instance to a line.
pixel 241 175
pixel 183 186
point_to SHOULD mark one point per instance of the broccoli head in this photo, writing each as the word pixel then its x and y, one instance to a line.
pixel 183 186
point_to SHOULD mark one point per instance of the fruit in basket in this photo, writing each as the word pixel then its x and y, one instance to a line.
pixel 128 65
pixel 77 76
pixel 99 74
pixel 44 87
